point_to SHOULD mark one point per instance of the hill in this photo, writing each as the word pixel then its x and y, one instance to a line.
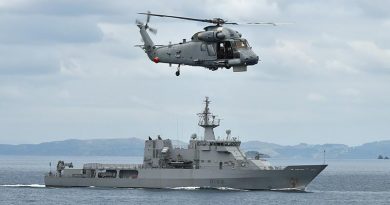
pixel 134 147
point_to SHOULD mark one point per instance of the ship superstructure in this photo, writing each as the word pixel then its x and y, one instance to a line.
pixel 206 162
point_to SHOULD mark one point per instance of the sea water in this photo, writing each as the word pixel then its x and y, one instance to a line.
pixel 342 182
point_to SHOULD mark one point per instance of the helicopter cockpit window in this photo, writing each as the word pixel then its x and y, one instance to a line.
pixel 241 43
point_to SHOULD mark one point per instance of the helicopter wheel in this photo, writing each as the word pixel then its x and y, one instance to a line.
pixel 178 70
pixel 228 67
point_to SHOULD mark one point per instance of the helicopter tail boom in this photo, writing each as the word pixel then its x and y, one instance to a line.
pixel 148 43
pixel 148 46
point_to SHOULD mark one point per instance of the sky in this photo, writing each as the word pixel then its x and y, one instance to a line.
pixel 69 69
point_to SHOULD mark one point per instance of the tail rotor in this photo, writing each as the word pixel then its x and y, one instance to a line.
pixel 146 26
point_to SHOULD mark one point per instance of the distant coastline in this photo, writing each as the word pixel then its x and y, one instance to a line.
pixel 135 147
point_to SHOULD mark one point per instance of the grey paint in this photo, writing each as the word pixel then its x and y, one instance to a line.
pixel 203 50
pixel 294 177
pixel 205 162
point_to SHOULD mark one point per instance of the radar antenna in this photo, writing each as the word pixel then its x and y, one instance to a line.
pixel 208 121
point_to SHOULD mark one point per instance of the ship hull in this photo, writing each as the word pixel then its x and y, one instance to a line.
pixel 291 177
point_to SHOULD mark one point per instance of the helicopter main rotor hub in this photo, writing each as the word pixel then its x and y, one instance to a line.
pixel 217 21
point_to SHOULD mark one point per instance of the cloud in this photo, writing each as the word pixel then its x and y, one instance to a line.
pixel 370 57
pixel 350 92
pixel 25 61
pixel 71 66
pixel 60 7
pixel 377 10
pixel 316 97
pixel 10 92
pixel 64 94
pixel 40 29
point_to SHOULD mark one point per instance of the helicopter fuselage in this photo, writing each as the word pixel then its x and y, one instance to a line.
pixel 216 47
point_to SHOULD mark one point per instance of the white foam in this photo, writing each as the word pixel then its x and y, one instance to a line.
pixel 186 188
pixel 289 189
pixel 229 189
pixel 24 185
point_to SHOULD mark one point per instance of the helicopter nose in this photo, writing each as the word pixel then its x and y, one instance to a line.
pixel 249 57
pixel 257 59
pixel 252 60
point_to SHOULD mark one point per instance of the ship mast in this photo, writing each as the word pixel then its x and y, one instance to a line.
pixel 208 121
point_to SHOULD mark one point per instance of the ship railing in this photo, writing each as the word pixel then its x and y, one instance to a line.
pixel 238 167
pixel 272 167
pixel 219 142
pixel 111 166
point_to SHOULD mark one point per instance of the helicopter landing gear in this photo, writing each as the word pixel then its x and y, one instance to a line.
pixel 178 70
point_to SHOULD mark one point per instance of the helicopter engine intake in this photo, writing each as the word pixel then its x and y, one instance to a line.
pixel 211 36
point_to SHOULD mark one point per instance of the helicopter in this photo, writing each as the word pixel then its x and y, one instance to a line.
pixel 215 47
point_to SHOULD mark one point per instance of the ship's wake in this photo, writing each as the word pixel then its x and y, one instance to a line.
pixel 186 188
pixel 24 185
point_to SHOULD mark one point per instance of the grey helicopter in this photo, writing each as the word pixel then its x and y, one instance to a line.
pixel 215 47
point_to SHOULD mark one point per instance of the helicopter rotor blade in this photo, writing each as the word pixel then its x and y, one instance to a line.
pixel 178 17
pixel 260 23
pixel 148 17
pixel 232 23
pixel 153 30
pixel 217 21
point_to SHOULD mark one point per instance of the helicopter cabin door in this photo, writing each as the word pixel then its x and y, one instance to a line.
pixel 224 50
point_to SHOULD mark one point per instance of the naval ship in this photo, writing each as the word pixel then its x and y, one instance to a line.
pixel 207 162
